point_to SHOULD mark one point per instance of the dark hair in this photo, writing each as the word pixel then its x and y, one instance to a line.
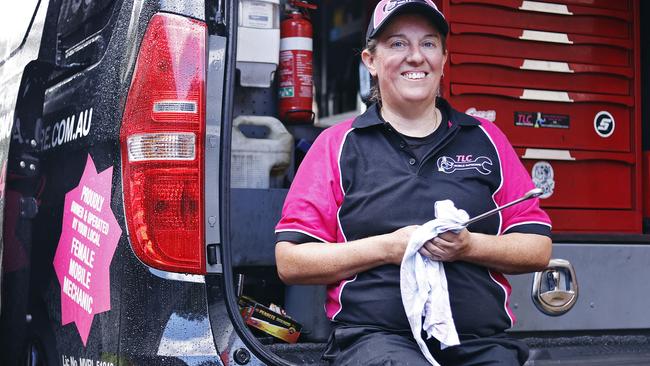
pixel 371 46
pixel 375 94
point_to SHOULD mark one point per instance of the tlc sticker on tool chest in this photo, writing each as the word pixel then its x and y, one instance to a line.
pixel 88 240
pixel 540 119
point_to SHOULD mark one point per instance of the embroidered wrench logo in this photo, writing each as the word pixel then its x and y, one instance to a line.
pixel 448 165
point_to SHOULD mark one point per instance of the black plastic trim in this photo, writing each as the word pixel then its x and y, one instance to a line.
pixel 603 238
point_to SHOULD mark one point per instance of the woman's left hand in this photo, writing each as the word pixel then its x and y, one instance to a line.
pixel 448 246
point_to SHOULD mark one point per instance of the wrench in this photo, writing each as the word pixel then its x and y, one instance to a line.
pixel 535 192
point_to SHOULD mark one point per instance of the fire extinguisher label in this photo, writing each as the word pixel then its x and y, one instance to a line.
pixel 286 85
pixel 286 92
pixel 299 82
pixel 303 74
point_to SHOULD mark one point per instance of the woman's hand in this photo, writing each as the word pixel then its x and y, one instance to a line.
pixel 509 253
pixel 448 246
pixel 399 240
pixel 325 263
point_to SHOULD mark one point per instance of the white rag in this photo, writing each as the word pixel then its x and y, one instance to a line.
pixel 424 285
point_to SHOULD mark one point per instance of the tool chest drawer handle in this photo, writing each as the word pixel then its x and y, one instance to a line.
pixel 540 36
pixel 545 7
pixel 546 95
pixel 551 66
pixel 548 154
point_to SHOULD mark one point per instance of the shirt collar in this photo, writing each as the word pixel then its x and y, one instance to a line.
pixel 372 117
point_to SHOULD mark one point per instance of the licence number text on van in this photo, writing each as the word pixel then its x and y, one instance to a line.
pixel 74 361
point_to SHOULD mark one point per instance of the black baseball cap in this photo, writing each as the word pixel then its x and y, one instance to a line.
pixel 386 9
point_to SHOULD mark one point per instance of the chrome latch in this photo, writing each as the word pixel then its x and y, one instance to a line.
pixel 555 289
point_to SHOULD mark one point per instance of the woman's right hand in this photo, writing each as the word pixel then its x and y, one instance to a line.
pixel 399 240
pixel 319 263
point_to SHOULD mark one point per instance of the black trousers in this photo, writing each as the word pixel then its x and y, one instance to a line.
pixel 359 345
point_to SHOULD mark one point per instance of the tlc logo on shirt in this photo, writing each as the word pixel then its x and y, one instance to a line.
pixel 449 165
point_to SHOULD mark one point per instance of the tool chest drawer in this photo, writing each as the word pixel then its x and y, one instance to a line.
pixel 602 4
pixel 540 74
pixel 581 179
pixel 543 16
pixel 539 45
pixel 622 6
pixel 595 221
pixel 551 119
pixel 586 191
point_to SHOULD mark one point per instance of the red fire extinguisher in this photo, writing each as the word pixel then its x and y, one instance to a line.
pixel 295 83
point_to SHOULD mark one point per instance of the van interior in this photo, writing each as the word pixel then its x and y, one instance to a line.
pixel 260 179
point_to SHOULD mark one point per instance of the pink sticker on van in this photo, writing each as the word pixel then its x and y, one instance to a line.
pixel 89 236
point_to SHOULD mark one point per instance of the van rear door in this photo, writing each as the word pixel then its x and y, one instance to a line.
pixel 21 29
pixel 249 154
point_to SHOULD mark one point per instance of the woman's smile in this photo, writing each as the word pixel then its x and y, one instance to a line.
pixel 415 75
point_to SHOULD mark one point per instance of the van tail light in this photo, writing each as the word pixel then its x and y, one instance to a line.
pixel 162 140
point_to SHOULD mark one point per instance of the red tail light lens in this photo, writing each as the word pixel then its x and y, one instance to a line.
pixel 162 146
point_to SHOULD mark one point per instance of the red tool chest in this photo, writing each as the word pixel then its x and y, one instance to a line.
pixel 561 80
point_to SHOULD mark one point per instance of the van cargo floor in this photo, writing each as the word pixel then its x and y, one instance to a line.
pixel 300 353
pixel 564 351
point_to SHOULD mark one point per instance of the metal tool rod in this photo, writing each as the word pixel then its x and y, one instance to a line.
pixel 536 192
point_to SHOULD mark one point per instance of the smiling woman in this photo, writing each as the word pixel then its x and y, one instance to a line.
pixel 367 184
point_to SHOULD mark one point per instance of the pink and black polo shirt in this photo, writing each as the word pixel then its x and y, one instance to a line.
pixel 360 179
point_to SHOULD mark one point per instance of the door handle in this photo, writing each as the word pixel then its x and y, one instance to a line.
pixel 555 289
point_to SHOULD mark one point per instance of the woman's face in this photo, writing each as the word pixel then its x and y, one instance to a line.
pixel 407 62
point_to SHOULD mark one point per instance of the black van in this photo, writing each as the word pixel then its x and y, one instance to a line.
pixel 138 228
